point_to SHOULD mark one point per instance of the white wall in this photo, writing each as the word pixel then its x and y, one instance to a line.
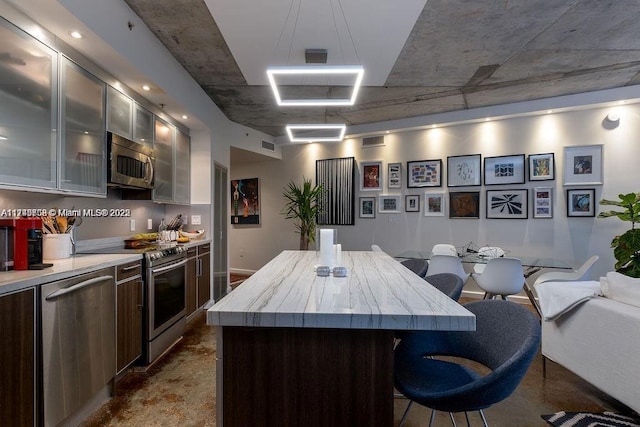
pixel 569 239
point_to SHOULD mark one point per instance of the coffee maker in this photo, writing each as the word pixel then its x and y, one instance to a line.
pixel 21 244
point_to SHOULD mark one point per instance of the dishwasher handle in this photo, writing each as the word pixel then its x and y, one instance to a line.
pixel 77 287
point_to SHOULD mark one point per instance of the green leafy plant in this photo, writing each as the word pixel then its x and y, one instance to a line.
pixel 626 247
pixel 303 206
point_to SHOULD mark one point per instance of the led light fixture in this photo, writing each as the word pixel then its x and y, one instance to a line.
pixel 276 75
pixel 316 133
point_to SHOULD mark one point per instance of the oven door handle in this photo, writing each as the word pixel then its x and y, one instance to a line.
pixel 77 287
pixel 168 267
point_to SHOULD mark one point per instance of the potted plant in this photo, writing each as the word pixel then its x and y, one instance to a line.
pixel 303 206
pixel 626 247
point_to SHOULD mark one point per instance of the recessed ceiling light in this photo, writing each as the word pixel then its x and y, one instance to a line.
pixel 146 87
pixel 76 34
pixel 549 111
pixel 86 133
pixel 184 116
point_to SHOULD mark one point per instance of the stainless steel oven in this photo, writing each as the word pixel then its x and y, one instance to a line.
pixel 165 295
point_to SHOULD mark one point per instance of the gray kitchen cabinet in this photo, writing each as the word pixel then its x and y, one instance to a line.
pixel 82 134
pixel 28 110
pixel 129 312
pixel 163 147
pixel 119 113
pixel 182 178
pixel 18 359
pixel 143 125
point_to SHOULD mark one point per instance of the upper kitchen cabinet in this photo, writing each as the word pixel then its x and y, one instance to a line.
pixel 163 148
pixel 119 113
pixel 28 110
pixel 182 188
pixel 129 119
pixel 142 125
pixel 82 132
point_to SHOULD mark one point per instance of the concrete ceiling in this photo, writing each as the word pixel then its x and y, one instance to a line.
pixel 420 57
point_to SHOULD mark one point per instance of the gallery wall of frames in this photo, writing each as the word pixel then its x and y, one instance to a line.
pixel 454 190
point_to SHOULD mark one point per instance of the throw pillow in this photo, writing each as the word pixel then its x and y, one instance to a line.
pixel 621 288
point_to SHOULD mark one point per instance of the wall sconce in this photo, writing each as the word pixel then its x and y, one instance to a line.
pixel 613 117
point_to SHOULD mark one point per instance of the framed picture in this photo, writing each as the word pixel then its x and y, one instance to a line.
pixel 371 176
pixel 367 207
pixel 434 204
pixel 581 202
pixel 464 204
pixel 424 173
pixel 510 204
pixel 583 165
pixel 542 167
pixel 245 201
pixel 463 170
pixel 542 202
pixel 504 170
pixel 389 204
pixel 394 175
pixel 412 203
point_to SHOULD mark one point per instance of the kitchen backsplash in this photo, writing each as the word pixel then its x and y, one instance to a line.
pixel 110 217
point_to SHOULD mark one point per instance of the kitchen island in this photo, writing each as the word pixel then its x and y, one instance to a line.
pixel 297 349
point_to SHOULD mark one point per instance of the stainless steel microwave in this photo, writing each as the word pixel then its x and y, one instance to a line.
pixel 131 164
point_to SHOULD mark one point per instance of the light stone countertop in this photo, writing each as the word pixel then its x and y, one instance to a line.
pixel 15 280
pixel 378 293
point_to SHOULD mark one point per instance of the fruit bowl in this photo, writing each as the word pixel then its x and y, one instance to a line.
pixel 193 235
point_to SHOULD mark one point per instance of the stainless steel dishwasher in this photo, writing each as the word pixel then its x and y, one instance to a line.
pixel 78 341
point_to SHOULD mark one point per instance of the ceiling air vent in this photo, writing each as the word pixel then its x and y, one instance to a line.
pixel 268 145
pixel 372 141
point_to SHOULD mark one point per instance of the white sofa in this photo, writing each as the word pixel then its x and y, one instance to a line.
pixel 599 340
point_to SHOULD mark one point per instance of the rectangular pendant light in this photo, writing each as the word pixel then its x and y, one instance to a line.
pixel 354 74
pixel 316 132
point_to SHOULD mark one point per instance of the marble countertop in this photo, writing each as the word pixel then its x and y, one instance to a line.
pixel 378 293
pixel 15 280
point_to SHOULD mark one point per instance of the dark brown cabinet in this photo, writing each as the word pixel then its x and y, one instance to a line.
pixel 198 277
pixel 128 314
pixel 204 276
pixel 17 359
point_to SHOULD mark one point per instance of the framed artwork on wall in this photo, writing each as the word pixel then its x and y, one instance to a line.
pixel 464 171
pixel 371 175
pixel 389 204
pixel 412 203
pixel 542 167
pixel 394 175
pixel 508 204
pixel 338 200
pixel 583 165
pixel 245 201
pixel 581 202
pixel 542 202
pixel 367 207
pixel 504 170
pixel 434 204
pixel 464 204
pixel 424 173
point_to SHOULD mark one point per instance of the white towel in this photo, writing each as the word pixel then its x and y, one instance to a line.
pixel 556 298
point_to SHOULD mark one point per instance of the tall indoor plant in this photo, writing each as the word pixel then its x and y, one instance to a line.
pixel 303 206
pixel 626 247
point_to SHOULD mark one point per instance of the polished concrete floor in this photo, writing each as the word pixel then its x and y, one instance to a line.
pixel 179 390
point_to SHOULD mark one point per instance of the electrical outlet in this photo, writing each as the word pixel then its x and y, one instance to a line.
pixel 132 225
pixel 196 220
pixel 149 224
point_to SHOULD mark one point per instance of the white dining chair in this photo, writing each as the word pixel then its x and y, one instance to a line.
pixel 447 264
pixel 567 276
pixel 501 277
pixel 444 249
pixel 376 248
pixel 487 252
